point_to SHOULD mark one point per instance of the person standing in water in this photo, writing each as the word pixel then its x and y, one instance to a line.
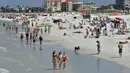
pixel 65 58
pixel 120 46
pixel 16 29
pixel 34 40
pixel 60 59
pixel 45 29
pixel 21 37
pixel 27 36
pixel 40 39
pixel 31 38
pixel 98 47
pixel 54 59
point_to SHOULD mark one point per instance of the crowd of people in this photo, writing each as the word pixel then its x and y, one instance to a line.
pixel 58 60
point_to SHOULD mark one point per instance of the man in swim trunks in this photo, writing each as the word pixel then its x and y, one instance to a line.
pixel 98 47
pixel 120 46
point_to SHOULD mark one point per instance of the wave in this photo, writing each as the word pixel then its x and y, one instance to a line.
pixel 1 33
pixel 3 49
pixel 4 71
pixel 20 62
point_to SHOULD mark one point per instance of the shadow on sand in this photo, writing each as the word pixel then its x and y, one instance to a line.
pixel 51 69
pixel 93 54
pixel 114 57
pixel 76 53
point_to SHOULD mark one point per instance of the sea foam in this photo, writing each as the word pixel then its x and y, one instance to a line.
pixel 4 71
pixel 3 49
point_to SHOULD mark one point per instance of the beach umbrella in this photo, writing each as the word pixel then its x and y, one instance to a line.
pixel 120 19
pixel 115 13
pixel 60 20
pixel 44 14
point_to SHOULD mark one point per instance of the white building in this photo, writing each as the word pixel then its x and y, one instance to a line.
pixel 78 6
pixel 54 6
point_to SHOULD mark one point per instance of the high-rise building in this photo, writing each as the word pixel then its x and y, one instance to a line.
pixel 122 4
pixel 58 5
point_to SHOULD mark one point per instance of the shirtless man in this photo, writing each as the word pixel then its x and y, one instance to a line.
pixel 120 46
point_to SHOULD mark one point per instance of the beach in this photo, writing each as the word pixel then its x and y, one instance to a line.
pixel 109 46
pixel 18 58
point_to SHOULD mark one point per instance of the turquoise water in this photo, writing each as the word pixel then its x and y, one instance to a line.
pixel 20 58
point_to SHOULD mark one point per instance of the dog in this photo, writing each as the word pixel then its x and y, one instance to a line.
pixel 77 48
pixel 125 42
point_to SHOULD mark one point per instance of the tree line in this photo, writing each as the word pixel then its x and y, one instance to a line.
pixel 18 9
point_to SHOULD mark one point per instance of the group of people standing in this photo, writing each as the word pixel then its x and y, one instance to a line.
pixel 59 60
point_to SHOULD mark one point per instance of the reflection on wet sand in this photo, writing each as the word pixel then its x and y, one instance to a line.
pixel 121 69
pixel 98 65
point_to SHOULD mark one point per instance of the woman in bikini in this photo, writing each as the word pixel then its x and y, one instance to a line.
pixel 54 59
pixel 60 59
pixel 65 58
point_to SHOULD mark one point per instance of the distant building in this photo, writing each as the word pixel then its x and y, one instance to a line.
pixel 66 6
pixel 122 4
pixel 78 6
pixel 58 5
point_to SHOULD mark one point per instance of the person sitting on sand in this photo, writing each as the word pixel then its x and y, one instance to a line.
pixel 92 35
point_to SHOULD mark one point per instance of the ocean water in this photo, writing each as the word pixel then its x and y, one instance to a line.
pixel 17 57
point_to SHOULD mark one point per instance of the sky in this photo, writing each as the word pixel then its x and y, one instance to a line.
pixel 40 2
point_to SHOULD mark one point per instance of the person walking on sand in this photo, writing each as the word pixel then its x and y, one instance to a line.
pixel 40 39
pixel 60 59
pixel 120 46
pixel 54 59
pixel 65 58
pixel 87 33
pixel 98 47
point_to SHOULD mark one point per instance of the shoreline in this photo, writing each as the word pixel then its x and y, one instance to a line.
pixel 102 55
pixel 109 49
